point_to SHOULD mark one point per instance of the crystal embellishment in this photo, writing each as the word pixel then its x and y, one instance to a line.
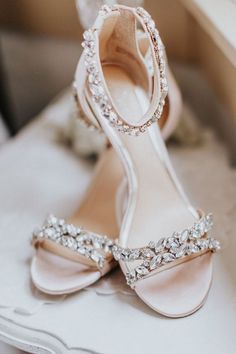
pixel 88 244
pixel 191 241
pixel 94 77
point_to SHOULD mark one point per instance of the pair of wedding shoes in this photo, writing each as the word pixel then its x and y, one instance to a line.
pixel 135 212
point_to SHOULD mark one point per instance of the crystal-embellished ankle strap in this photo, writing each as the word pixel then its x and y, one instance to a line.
pixel 74 243
pixel 168 251
pixel 94 79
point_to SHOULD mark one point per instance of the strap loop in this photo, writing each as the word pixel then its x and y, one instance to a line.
pixel 95 80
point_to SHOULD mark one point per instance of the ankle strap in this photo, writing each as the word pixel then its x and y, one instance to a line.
pixel 89 74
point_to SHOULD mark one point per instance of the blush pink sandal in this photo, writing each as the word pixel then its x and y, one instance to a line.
pixel 173 272
pixel 69 258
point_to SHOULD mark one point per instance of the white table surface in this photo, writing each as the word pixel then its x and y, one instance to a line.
pixel 8 349
pixel 39 175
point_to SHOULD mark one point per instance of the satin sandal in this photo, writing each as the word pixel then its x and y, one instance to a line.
pixel 69 258
pixel 164 247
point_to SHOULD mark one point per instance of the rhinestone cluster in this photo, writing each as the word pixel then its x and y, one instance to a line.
pixel 106 9
pixel 88 244
pixel 95 82
pixel 181 244
pixel 160 57
pixel 82 117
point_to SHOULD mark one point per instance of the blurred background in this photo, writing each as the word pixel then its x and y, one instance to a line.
pixel 40 46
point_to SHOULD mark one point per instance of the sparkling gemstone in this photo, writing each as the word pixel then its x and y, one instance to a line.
pixel 183 236
pixel 97 90
pixel 214 244
pixel 97 242
pixel 80 238
pixel 147 253
pixel 125 254
pixel 71 243
pixel 105 9
pixel 172 242
pixel 143 12
pixel 155 262
pixel 89 52
pixel 179 252
pixel 168 257
pixel 114 248
pixel 134 254
pixel 202 244
pixel 108 246
pixel 89 59
pixel 151 25
pixel 70 230
pixel 162 65
pixel 87 239
pixel 117 254
pixel 156 35
pixel 93 78
pixel 208 222
pixel 201 226
pixel 160 246
pixel 84 251
pixel 103 103
pixel 156 115
pixel 142 129
pixel 91 66
pixel 146 263
pixel 90 45
pixel 135 131
pixel 50 233
pixel 152 244
pixel 106 113
pixel 141 270
pixel 130 277
pixel 163 82
pixel 88 35
pixel 119 122
pixel 64 240
pixel 95 256
pixel 51 220
pixel 192 249
pixel 165 89
pixel 126 127
pixel 113 117
pixel 195 232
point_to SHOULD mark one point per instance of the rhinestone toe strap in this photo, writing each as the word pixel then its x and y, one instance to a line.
pixel 85 246
pixel 190 242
